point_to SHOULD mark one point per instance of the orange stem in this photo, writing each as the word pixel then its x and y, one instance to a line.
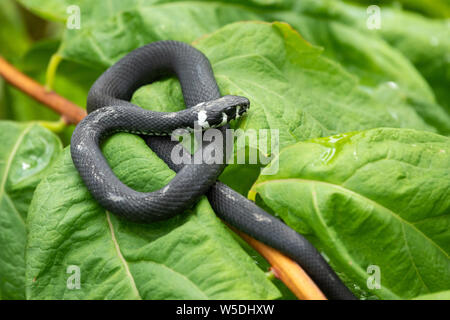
pixel 71 113
pixel 287 270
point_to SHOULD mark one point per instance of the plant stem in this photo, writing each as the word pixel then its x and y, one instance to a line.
pixel 71 113
pixel 288 271
pixel 54 126
pixel 55 60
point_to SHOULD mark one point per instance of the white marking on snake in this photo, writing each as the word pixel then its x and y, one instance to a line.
pixel 113 197
pixel 80 146
pixel 260 217
pixel 202 116
pixel 165 189
pixel 237 112
pixel 229 196
pixel 224 119
pixel 170 115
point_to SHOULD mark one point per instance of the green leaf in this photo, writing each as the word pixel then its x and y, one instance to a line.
pixel 51 9
pixel 72 81
pixel 191 256
pixel 92 10
pixel 26 153
pixel 57 10
pixel 370 58
pixel 104 43
pixel 291 86
pixel 13 35
pixel 425 42
pixel 14 41
pixel 378 197
pixel 433 8
pixel 443 295
pixel 382 70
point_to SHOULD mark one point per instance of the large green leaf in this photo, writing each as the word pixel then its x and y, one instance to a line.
pixel 382 70
pixel 378 197
pixel 26 153
pixel 291 86
pixel 191 256
pixel 425 42
pixel 370 58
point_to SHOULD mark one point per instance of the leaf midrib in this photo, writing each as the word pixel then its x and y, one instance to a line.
pixel 338 243
pixel 126 265
pixel 121 257
pixel 8 164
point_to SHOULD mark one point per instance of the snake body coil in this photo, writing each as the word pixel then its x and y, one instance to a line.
pixel 110 111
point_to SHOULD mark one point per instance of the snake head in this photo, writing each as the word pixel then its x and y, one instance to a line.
pixel 216 113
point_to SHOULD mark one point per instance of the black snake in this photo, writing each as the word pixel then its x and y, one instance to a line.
pixel 110 111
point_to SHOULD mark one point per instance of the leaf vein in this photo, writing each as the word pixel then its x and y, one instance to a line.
pixel 121 257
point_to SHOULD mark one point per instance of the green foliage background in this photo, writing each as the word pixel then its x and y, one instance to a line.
pixel 364 118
